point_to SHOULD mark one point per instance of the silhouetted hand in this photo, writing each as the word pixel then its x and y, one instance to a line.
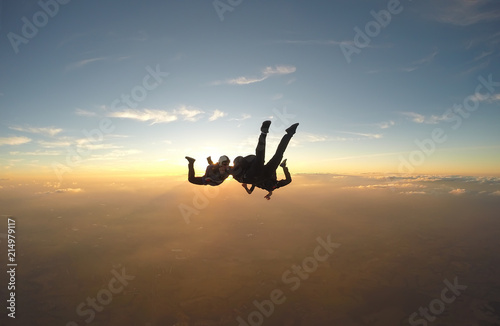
pixel 244 185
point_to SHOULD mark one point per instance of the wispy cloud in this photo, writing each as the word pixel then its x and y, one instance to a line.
pixel 279 70
pixel 265 74
pixel 189 113
pixel 87 144
pixel 420 118
pixel 482 55
pixel 37 153
pixel 478 66
pixel 48 131
pixel 217 115
pixel 490 41
pixel 480 62
pixel 328 43
pixel 244 116
pixel 306 137
pixel 14 141
pixel 60 191
pixel 495 98
pixel 314 138
pixel 426 59
pixel 85 113
pixel 386 186
pixel 276 97
pixel 54 144
pixel 404 184
pixel 145 115
pixel 81 63
pixel 484 98
pixel 413 193
pixel 312 42
pixel 415 117
pixel 457 192
pixel 464 12
pixel 363 135
pixel 420 62
pixel 245 80
pixel 386 124
pixel 159 116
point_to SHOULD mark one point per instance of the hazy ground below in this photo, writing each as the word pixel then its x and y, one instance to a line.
pixel 194 255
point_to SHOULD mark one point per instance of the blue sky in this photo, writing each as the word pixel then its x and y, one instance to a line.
pixel 201 76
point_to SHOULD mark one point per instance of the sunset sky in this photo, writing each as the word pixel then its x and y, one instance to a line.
pixel 396 161
pixel 132 87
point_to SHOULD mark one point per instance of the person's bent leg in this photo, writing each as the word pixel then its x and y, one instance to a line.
pixel 280 151
pixel 273 163
pixel 291 130
pixel 260 150
pixel 191 177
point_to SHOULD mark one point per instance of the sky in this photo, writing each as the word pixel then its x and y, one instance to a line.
pixel 132 87
pixel 395 161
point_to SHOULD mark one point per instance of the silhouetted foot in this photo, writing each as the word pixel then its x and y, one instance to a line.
pixel 265 126
pixel 283 164
pixel 190 159
pixel 291 130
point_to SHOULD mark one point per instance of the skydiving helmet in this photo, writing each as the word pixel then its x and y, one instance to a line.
pixel 223 159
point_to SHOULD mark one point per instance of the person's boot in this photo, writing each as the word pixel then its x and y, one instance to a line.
pixel 190 160
pixel 265 126
pixel 291 130
pixel 283 164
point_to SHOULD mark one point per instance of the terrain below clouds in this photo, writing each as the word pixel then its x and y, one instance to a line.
pixel 161 251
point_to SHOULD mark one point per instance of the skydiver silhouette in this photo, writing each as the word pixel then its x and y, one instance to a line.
pixel 270 184
pixel 252 170
pixel 215 174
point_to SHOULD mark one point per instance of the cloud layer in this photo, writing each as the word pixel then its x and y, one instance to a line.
pixel 266 73
pixel 160 116
pixel 14 140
